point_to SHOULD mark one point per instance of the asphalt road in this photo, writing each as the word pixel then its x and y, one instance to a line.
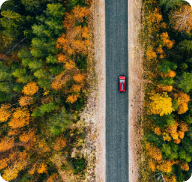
pixel 116 27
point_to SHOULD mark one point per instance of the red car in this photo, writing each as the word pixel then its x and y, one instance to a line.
pixel 122 84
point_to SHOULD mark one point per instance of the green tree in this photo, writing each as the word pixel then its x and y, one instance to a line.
pixel 170 4
pixel 41 73
pixel 19 72
pixel 185 82
pixel 56 69
pixel 26 78
pixel 44 83
pixel 35 64
pixel 45 108
pixel 163 121
pixel 167 81
pixel 166 150
pixel 58 123
pixel 51 59
pixel 186 45
pixel 167 66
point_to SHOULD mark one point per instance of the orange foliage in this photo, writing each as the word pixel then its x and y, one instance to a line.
pixel 42 168
pixel 154 152
pixel 160 50
pixel 157 130
pixel 184 166
pixel 152 165
pixel 167 88
pixel 183 127
pixel 182 108
pixel 165 38
pixel 69 65
pixel 25 137
pixel 79 78
pixel 150 53
pixel 177 141
pixel 166 136
pixel 170 74
pixel 76 88
pixel 181 19
pixel 171 178
pixel 72 98
pixel 24 101
pixel 4 163
pixel 6 144
pixel 52 178
pixel 181 134
pixel 5 112
pixel 60 143
pixel 30 89
pixel 62 58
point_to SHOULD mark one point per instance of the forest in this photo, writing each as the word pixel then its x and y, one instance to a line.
pixel 167 42
pixel 43 87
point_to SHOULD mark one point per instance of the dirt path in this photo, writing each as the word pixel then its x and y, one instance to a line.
pixel 136 89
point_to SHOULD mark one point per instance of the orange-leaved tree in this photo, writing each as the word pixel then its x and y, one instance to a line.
pixel 181 19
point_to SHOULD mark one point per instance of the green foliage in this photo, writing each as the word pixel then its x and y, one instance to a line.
pixel 188 119
pixel 182 153
pixel 24 53
pixel 81 63
pixel 5 75
pixel 26 61
pixel 19 72
pixel 51 59
pixel 186 142
pixel 31 5
pixel 78 105
pixel 169 4
pixel 56 69
pixel 79 165
pixel 73 3
pixel 167 81
pixel 186 45
pixel 166 149
pixel 35 64
pixel 186 82
pixel 163 121
pixel 55 10
pixel 167 66
pixel 26 78
pixel 45 108
pixel 5 87
pixel 183 66
pixel 179 174
pixel 18 87
pixel 5 97
pixel 153 138
pixel 41 73
pixel 26 177
pixel 44 83
pixel 175 103
pixel 58 123
pixel 38 53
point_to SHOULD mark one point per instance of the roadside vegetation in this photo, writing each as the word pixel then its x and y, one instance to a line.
pixel 167 120
pixel 43 88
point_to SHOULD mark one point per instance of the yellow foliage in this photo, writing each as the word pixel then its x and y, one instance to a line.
pixel 160 104
pixel 69 65
pixel 175 135
pixel 183 97
pixel 150 53
pixel 165 166
pixel 165 38
pixel 154 152
pixel 5 112
pixel 152 165
pixel 21 113
pixel 42 168
pixel 32 170
pixel 184 166
pixel 166 136
pixel 30 89
pixel 79 78
pixel 24 101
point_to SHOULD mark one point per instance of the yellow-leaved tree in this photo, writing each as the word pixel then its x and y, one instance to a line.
pixel 160 103
pixel 30 89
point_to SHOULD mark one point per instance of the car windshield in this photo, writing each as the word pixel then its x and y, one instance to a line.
pixel 121 80
pixel 122 86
